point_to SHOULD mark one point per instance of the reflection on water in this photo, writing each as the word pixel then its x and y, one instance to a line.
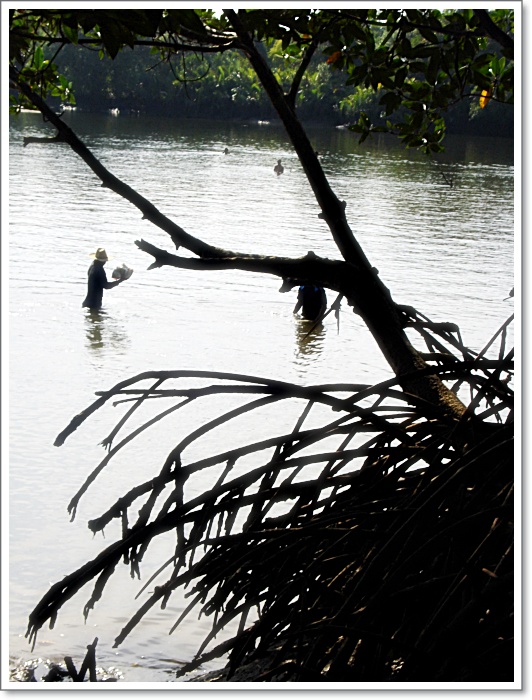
pixel 104 332
pixel 448 251
pixel 309 340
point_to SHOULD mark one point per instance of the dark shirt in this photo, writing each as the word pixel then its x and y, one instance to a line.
pixel 97 282
pixel 312 300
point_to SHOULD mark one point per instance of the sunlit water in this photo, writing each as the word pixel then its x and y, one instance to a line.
pixel 448 251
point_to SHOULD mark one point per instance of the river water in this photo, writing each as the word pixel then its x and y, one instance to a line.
pixel 448 251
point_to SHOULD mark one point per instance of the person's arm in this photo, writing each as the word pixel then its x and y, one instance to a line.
pixel 110 285
pixel 105 283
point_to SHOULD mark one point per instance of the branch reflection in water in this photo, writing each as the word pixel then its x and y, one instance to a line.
pixel 103 331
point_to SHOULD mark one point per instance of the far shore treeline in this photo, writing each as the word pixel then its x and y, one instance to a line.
pixel 225 87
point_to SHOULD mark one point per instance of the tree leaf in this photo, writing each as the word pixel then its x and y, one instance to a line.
pixel 188 19
pixel 485 98
pixel 38 57
pixel 428 35
pixel 334 57
pixel 391 101
pixel 433 68
pixel 113 38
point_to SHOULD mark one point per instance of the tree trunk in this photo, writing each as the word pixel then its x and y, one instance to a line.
pixel 372 298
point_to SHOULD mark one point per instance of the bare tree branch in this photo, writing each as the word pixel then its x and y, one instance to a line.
pixel 493 31
pixel 294 88
pixel 271 386
pixel 333 274
pixel 223 45
pixel 178 235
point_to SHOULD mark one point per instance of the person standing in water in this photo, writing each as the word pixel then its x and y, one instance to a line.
pixel 312 301
pixel 278 168
pixel 97 281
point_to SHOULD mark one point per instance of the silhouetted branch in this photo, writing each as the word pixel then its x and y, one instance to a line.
pixel 179 236
pixel 393 463
pixel 493 31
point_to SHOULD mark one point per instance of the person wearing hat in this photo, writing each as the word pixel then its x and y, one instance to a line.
pixel 97 280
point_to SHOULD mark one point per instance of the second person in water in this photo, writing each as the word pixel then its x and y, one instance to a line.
pixel 312 301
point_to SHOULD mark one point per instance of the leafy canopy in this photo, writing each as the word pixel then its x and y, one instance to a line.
pixel 418 62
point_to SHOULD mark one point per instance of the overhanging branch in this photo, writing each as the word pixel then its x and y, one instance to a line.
pixel 294 88
pixel 178 235
pixel 493 31
pixel 333 274
pixel 223 45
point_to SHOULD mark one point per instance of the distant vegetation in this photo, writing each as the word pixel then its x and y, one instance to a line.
pixel 224 86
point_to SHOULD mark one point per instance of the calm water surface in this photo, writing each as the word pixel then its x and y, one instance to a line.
pixel 448 251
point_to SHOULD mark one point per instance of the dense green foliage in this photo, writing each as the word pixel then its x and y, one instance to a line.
pixel 409 72
pixel 225 87
pixel 216 86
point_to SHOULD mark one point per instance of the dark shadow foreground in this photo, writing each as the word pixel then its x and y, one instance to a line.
pixel 391 561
